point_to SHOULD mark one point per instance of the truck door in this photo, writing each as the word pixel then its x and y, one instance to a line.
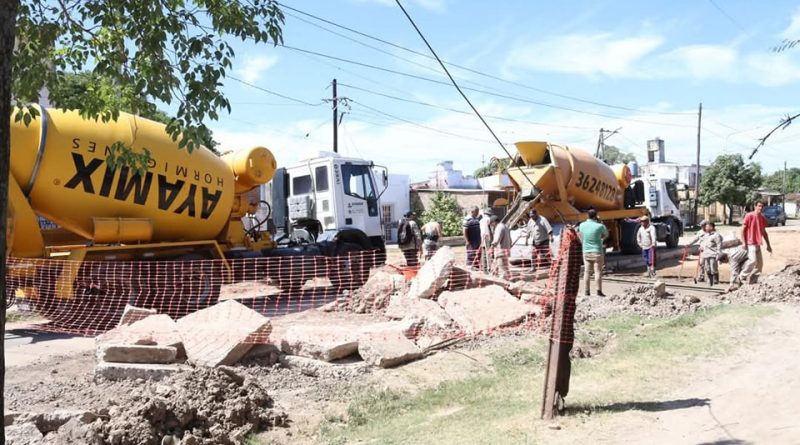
pixel 360 201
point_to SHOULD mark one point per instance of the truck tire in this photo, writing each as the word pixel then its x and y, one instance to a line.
pixel 674 234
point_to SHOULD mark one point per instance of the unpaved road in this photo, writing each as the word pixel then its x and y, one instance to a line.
pixel 748 396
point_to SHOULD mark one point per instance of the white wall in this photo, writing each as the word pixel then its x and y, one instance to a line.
pixel 445 177
pixel 494 182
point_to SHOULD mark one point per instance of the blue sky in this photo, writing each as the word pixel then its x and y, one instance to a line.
pixel 555 71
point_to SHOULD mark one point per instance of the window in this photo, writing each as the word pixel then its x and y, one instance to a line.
pixel 321 178
pixel 358 181
pixel 693 179
pixel 387 221
pixel 301 185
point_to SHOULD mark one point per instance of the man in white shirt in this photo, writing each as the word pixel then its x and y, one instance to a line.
pixel 486 239
pixel 646 239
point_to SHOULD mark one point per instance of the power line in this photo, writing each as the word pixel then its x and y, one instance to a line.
pixel 471 70
pixel 481 91
pixel 293 99
pixel 455 110
pixel 728 16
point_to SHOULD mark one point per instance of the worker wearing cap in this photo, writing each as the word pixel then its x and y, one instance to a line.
pixel 486 239
pixel 472 236
pixel 646 239
pixel 541 233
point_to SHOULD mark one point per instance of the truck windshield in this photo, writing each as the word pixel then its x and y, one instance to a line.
pixel 358 181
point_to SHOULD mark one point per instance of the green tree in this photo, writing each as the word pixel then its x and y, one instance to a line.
pixel 494 167
pixel 446 211
pixel 775 181
pixel 70 92
pixel 613 155
pixel 729 181
pixel 169 51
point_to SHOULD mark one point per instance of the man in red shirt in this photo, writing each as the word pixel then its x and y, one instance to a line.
pixel 754 232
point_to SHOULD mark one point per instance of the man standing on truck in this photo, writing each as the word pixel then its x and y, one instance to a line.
pixel 592 233
pixel 472 236
pixel 754 232
pixel 540 231
pixel 501 247
pixel 409 239
pixel 646 238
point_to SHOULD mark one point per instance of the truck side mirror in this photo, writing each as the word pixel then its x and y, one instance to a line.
pixel 385 178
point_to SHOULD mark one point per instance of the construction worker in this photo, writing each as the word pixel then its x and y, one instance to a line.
pixel 431 235
pixel 700 274
pixel 472 236
pixel 486 239
pixel 646 238
pixel 409 239
pixel 736 259
pixel 501 247
pixel 754 233
pixel 711 247
pixel 541 234
pixel 593 234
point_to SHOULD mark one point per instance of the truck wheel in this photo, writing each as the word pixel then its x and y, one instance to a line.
pixel 674 237
pixel 198 286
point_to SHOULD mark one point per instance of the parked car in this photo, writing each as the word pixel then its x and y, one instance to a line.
pixel 775 215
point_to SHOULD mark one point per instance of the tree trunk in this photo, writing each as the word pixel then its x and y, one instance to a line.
pixel 730 214
pixel 8 23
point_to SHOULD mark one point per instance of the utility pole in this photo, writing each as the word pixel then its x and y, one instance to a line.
pixel 335 103
pixel 697 167
pixel 783 204
pixel 601 143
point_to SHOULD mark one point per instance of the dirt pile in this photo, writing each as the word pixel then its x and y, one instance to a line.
pixel 201 406
pixel 783 286
pixel 640 299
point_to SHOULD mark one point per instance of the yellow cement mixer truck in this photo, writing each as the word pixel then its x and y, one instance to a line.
pixel 186 206
pixel 562 183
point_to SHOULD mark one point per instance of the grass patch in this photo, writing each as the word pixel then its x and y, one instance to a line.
pixel 502 405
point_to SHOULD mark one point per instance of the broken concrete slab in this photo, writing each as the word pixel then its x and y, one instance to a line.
pixel 433 275
pixel 387 349
pixel 375 293
pixel 431 313
pixel 484 309
pixel 157 329
pixel 221 334
pixel 321 342
pixel 132 314
pixel 23 434
pixel 137 354
pixel 133 371
pixel 480 279
pixel 460 278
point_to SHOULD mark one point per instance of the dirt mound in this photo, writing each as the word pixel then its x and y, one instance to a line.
pixel 201 406
pixel 783 286
pixel 639 299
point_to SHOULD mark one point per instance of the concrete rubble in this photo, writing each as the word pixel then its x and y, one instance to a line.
pixel 137 354
pixel 469 308
pixel 321 342
pixel 220 334
pixel 132 314
pixel 433 275
pixel 431 314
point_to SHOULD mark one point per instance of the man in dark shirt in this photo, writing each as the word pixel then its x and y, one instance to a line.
pixel 472 236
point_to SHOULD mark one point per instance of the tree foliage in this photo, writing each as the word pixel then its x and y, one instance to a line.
pixel 494 167
pixel 146 51
pixel 613 155
pixel 445 210
pixel 775 181
pixel 728 180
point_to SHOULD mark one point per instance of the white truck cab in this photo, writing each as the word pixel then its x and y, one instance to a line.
pixel 330 198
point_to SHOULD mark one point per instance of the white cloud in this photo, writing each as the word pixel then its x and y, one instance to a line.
pixel 254 67
pixel 793 30
pixel 584 54
pixel 698 62
pixel 410 149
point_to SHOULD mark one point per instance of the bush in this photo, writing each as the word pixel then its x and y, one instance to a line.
pixel 446 210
